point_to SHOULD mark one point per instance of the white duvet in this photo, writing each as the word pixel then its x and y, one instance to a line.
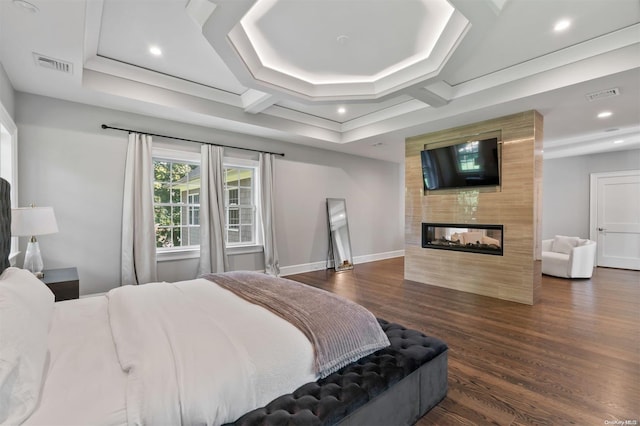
pixel 192 353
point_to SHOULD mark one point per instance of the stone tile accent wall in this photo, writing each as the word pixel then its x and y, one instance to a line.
pixel 516 204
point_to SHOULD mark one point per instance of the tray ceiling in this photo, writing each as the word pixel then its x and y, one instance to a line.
pixel 353 76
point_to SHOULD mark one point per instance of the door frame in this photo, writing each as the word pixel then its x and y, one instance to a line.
pixel 593 200
pixel 9 164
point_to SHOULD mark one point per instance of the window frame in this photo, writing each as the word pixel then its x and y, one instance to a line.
pixel 257 243
pixel 181 252
pixel 193 252
pixel 469 156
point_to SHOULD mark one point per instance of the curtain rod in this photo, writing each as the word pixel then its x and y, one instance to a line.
pixel 104 126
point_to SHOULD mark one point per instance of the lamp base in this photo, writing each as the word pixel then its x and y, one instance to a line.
pixel 33 258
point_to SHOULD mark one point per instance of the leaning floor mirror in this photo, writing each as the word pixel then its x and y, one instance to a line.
pixel 339 242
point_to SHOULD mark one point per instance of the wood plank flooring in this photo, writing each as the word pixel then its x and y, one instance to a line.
pixel 573 358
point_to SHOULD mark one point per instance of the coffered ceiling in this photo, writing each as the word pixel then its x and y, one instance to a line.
pixel 349 75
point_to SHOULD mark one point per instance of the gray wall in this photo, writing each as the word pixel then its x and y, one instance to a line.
pixel 68 162
pixel 566 183
pixel 7 93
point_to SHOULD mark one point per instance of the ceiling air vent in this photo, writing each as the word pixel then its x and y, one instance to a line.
pixel 53 64
pixel 602 94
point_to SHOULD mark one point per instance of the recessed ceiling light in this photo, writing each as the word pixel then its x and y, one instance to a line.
pixel 605 114
pixel 155 51
pixel 342 39
pixel 26 5
pixel 562 25
pixel 618 141
pixel 342 110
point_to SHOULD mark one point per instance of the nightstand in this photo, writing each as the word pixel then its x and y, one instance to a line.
pixel 64 283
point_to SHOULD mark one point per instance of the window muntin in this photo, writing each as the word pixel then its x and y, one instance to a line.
pixel 177 201
pixel 240 204
pixel 176 196
pixel 468 155
pixel 194 208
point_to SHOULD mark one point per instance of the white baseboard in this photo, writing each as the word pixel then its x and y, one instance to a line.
pixel 305 267
pixel 378 256
pixel 318 266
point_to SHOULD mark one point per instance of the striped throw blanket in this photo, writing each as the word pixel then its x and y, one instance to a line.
pixel 341 331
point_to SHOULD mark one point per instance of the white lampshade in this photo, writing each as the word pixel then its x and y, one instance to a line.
pixel 31 221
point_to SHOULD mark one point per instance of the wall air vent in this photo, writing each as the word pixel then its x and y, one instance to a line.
pixel 53 64
pixel 602 94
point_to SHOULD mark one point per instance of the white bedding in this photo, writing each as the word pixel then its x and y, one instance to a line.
pixel 230 357
pixel 84 383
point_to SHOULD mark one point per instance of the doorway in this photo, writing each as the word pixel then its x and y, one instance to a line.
pixel 615 218
pixel 9 163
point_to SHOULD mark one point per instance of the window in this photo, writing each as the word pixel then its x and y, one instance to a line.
pixel 240 202
pixel 177 201
pixel 468 155
pixel 194 209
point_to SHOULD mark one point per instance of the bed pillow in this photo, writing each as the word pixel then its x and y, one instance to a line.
pixel 26 309
pixel 562 244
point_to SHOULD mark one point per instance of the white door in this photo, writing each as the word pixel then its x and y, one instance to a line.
pixel 615 218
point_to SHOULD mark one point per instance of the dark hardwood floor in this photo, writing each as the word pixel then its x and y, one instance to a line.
pixel 573 358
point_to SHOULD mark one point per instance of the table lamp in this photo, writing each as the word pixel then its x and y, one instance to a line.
pixel 29 222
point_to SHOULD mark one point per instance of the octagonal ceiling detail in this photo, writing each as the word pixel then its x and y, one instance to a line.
pixel 345 38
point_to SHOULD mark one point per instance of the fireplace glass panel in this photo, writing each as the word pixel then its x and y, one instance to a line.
pixel 486 239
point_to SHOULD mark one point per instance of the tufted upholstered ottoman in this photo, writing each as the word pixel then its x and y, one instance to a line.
pixel 393 386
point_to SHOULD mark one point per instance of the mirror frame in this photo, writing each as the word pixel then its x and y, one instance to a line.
pixel 339 239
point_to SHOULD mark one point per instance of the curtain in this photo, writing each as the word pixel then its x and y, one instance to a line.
pixel 267 210
pixel 138 228
pixel 213 256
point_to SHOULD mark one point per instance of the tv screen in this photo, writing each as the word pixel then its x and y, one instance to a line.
pixel 473 163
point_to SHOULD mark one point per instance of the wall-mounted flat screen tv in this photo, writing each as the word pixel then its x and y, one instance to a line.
pixel 472 163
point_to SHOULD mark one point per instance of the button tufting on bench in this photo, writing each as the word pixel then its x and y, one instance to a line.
pixel 330 399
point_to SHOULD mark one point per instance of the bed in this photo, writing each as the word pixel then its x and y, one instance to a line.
pixel 206 351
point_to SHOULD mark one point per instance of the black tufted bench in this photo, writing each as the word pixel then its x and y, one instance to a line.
pixel 393 386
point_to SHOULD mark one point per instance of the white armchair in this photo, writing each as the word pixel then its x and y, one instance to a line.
pixel 568 257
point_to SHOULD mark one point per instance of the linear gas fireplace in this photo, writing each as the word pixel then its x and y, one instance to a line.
pixel 485 239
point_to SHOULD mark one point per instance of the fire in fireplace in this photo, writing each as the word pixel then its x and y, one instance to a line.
pixel 473 238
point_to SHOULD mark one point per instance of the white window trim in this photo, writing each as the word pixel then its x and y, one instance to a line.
pixel 176 253
pixel 169 254
pixel 180 253
pixel 246 249
pixel 175 154
pixel 9 166
pixel 194 253
pixel 257 246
